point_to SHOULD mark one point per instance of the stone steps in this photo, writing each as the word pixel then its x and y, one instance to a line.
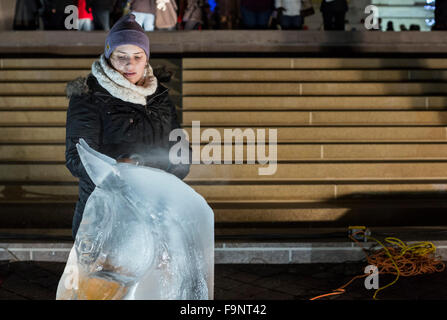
pixel 288 193
pixel 313 75
pixel 306 214
pixel 295 88
pixel 42 75
pixel 256 89
pixel 244 63
pixel 363 134
pixel 39 75
pixel 285 152
pixel 329 134
pixel 259 118
pixel 359 140
pixel 12 103
pixel 313 63
pixel 37 88
pixel 290 118
pixel 313 103
pixel 65 63
pixel 237 173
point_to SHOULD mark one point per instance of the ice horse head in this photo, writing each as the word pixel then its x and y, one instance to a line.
pixel 145 234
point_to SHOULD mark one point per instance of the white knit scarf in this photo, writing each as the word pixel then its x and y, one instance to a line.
pixel 118 86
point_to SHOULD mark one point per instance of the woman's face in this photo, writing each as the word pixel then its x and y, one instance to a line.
pixel 130 61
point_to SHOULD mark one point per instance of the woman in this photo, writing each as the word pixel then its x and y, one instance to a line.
pixel 121 110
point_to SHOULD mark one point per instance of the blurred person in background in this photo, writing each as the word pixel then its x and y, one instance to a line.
pixel 256 13
pixel 85 18
pixel 26 15
pixel 440 15
pixel 166 15
pixel 120 9
pixel 334 12
pixel 144 11
pixel 290 18
pixel 390 26
pixel 192 12
pixel 100 10
pixel 228 11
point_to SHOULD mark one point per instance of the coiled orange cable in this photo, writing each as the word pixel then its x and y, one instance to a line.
pixel 397 258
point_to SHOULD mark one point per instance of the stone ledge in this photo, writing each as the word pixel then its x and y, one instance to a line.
pixel 231 41
pixel 225 253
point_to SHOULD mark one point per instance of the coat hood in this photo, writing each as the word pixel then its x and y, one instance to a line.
pixel 77 87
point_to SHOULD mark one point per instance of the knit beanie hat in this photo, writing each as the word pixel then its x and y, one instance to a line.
pixel 126 31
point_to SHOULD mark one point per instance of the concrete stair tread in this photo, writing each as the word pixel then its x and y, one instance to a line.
pixel 238 233
pixel 256 89
pixel 324 191
pixel 316 152
pixel 285 172
pixel 310 134
pixel 243 63
pixel 344 75
pixel 367 102
pixel 346 133
pixel 57 215
pixel 284 118
pixel 316 88
pixel 41 75
pixel 39 142
pixel 312 63
pixel 40 160
pixel 43 64
pixel 400 201
pixel 296 103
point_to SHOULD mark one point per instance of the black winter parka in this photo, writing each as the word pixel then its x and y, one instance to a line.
pixel 118 129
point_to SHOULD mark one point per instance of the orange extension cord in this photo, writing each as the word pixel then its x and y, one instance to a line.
pixel 398 258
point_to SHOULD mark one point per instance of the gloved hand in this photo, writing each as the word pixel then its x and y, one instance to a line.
pixel 127 160
pixel 135 159
pixel 154 158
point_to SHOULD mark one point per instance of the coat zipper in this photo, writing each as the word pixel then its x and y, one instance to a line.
pixel 148 102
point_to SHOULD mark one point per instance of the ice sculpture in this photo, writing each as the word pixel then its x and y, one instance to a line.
pixel 145 234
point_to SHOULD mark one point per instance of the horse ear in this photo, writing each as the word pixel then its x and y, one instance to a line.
pixel 97 165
